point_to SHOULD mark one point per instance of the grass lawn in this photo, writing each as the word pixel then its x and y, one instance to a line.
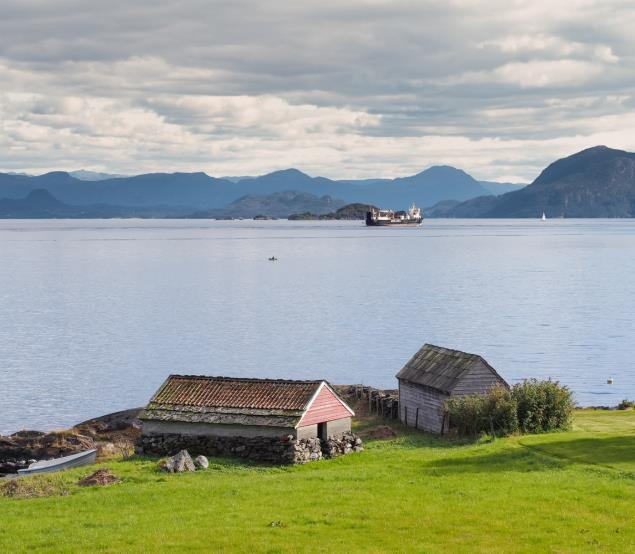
pixel 561 492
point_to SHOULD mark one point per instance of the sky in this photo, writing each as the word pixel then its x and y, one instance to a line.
pixel 343 89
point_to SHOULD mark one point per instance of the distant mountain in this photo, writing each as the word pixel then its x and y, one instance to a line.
pixel 597 182
pixel 85 175
pixel 198 191
pixel 189 190
pixel 496 188
pixel 276 204
pixel 441 209
pixel 426 188
pixel 40 204
pixel 236 178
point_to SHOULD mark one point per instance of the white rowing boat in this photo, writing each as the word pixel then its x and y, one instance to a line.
pixel 74 460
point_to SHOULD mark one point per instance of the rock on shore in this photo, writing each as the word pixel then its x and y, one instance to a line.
pixel 111 434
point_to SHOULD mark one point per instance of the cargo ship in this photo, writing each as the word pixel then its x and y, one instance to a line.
pixel 382 218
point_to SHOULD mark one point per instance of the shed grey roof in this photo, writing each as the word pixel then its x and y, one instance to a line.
pixel 440 368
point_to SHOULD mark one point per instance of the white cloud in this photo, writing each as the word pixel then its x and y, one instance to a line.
pixel 550 73
pixel 346 89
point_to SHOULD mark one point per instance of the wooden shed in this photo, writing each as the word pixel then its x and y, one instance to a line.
pixel 433 375
pixel 241 407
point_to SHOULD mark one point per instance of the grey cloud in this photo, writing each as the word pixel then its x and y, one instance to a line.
pixel 470 71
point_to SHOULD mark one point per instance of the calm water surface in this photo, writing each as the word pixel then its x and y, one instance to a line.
pixel 95 314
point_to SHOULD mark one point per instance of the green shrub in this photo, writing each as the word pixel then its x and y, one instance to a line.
pixel 626 404
pixel 530 407
pixel 542 405
pixel 494 413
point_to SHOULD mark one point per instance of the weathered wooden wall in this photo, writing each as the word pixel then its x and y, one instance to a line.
pixel 479 379
pixel 421 407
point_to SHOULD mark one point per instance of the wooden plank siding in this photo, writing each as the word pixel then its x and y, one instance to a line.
pixel 432 376
pixel 325 407
pixel 421 407
pixel 478 379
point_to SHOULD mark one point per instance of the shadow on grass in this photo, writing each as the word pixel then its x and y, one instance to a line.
pixel 614 452
pixel 506 460
pixel 607 451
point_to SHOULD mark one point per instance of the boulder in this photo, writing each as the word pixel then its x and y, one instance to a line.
pixel 179 463
pixel 201 462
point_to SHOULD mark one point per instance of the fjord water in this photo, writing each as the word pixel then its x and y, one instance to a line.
pixel 96 314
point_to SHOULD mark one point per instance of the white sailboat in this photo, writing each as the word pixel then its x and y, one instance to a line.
pixel 544 217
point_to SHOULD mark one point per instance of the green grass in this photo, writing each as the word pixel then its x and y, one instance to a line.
pixel 561 492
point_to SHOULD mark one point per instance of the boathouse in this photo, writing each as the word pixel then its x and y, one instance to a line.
pixel 247 417
pixel 433 375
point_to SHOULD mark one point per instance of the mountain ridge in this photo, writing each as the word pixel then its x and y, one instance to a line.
pixel 198 190
pixel 595 182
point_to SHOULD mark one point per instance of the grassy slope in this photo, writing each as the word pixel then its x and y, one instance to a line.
pixel 564 492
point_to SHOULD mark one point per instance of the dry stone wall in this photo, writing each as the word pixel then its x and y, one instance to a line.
pixel 277 450
pixel 343 444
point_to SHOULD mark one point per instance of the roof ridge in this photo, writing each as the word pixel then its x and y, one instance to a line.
pixel 249 379
pixel 439 367
pixel 207 391
pixel 451 351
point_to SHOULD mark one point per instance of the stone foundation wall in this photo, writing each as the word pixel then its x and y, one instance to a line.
pixel 277 450
pixel 342 444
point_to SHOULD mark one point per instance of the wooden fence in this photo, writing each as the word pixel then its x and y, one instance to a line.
pixel 384 403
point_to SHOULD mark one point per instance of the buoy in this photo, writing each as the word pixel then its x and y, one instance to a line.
pixel 609 381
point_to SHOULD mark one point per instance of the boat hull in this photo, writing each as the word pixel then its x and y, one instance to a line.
pixel 386 223
pixel 387 218
pixel 74 460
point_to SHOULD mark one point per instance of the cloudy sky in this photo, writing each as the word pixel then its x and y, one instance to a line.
pixel 337 88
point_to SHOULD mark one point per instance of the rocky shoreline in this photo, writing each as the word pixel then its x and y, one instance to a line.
pixel 112 434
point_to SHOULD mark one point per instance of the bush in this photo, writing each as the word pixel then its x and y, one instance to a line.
pixel 626 404
pixel 494 413
pixel 530 407
pixel 542 405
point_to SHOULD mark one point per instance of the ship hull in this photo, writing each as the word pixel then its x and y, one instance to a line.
pixel 386 223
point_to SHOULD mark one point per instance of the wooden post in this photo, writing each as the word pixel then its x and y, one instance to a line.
pixel 405 415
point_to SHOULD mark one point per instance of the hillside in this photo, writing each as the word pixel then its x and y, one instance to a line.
pixel 433 185
pixel 41 204
pixel 597 182
pixel 277 204
pixel 560 492
pixel 148 190
pixel 198 191
pixel 350 212
pixel 38 203
pixel 496 188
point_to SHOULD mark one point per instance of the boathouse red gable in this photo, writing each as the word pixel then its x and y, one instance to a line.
pixel 326 406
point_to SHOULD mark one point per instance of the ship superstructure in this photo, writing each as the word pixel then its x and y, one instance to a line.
pixel 376 217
